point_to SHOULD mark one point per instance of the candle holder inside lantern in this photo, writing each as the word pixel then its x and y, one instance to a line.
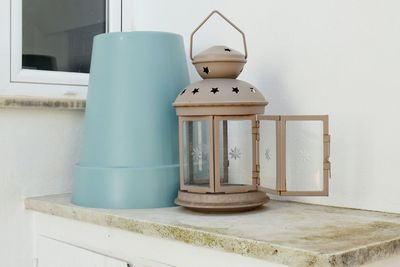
pixel 226 163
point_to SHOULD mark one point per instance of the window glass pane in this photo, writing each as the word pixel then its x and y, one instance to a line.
pixel 196 153
pixel 268 154
pixel 235 152
pixel 58 35
pixel 304 155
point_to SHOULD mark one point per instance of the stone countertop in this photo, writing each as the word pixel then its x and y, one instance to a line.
pixel 286 232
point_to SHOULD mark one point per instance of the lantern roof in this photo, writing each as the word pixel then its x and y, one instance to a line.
pixel 220 97
pixel 219 53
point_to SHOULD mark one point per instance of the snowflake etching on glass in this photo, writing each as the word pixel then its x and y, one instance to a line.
pixel 197 154
pixel 304 155
pixel 267 154
pixel 235 153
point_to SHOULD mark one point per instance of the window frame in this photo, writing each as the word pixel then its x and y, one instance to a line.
pixel 51 84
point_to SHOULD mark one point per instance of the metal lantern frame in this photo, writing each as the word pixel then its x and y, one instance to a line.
pixel 280 126
pixel 220 97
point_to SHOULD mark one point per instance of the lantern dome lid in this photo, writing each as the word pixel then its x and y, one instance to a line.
pixel 219 53
pixel 220 97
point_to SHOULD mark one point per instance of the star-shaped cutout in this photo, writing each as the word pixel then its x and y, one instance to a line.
pixel 183 91
pixel 252 90
pixel 195 90
pixel 214 90
pixel 205 69
pixel 227 50
pixel 235 89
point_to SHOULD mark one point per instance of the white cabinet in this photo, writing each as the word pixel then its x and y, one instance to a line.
pixel 91 242
pixel 53 253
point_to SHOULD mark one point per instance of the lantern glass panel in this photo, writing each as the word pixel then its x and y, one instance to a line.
pixel 235 152
pixel 304 156
pixel 268 154
pixel 196 153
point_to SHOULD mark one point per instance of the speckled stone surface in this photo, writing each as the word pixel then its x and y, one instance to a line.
pixel 286 232
pixel 20 102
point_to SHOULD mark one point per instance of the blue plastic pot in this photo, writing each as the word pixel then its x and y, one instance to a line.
pixel 129 154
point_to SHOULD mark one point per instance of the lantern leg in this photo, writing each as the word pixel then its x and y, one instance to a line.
pixel 190 148
pixel 225 152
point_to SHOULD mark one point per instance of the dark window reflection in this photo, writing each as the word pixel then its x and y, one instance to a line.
pixel 58 34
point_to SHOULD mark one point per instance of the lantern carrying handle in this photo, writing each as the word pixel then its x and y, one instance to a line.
pixel 227 20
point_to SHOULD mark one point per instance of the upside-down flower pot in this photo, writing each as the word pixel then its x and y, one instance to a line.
pixel 129 153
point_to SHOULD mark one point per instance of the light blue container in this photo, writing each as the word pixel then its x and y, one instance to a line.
pixel 129 154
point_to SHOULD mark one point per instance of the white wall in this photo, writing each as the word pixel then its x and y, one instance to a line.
pixel 38 149
pixel 336 57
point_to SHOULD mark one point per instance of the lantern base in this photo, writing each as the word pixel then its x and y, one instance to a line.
pixel 221 202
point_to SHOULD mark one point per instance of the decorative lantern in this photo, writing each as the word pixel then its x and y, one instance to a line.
pixel 230 154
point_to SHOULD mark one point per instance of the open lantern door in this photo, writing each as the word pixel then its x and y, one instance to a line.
pixel 293 155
